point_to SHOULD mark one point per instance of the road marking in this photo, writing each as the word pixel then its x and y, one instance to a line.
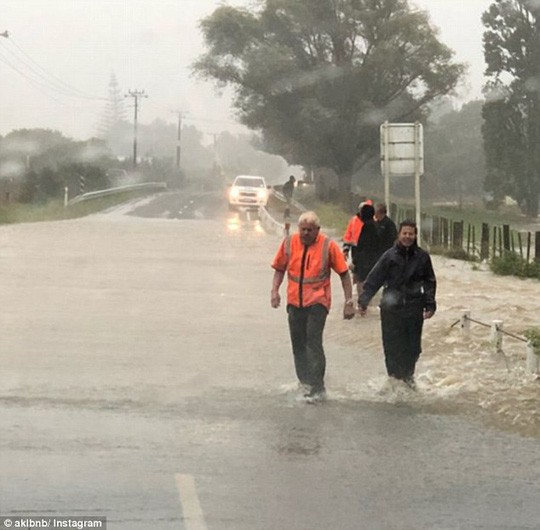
pixel 191 508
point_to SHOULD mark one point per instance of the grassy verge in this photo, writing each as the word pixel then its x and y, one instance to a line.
pixel 55 210
pixel 330 214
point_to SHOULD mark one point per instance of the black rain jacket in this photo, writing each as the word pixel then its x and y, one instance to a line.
pixel 408 279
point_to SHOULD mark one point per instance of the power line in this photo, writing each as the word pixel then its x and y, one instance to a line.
pixel 38 76
pixel 60 82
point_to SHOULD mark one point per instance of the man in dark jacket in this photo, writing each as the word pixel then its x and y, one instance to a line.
pixel 366 251
pixel 386 228
pixel 288 188
pixel 408 298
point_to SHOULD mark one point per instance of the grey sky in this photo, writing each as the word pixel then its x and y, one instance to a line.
pixel 149 45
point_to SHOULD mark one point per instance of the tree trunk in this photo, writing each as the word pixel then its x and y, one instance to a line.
pixel 345 190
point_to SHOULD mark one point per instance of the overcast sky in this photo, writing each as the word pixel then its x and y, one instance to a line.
pixel 56 64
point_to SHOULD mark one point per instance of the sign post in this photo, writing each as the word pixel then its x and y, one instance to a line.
pixel 402 155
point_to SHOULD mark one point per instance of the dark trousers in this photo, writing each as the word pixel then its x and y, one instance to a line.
pixel 402 340
pixel 306 326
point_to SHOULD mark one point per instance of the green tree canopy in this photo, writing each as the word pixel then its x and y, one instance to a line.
pixel 454 155
pixel 512 112
pixel 318 77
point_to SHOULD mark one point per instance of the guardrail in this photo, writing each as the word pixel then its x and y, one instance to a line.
pixel 496 339
pixel 292 202
pixel 114 191
pixel 269 223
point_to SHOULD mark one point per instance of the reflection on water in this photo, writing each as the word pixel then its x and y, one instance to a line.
pixel 244 220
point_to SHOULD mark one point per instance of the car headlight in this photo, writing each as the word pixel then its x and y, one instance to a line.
pixel 261 194
pixel 235 192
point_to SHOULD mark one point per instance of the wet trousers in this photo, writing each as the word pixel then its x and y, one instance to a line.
pixel 402 340
pixel 306 326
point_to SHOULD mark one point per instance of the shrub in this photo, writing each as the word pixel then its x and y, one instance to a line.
pixel 533 336
pixel 512 264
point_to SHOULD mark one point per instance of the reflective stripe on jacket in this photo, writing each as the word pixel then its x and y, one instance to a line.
pixel 308 269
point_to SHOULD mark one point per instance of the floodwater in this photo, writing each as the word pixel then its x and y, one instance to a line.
pixel 460 371
pixel 136 350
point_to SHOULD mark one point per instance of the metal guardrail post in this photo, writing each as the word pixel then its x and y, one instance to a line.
pixel 497 335
pixel 465 322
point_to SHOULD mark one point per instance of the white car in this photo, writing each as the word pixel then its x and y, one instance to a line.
pixel 248 191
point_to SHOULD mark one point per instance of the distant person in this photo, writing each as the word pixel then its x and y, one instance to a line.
pixel 386 228
pixel 350 238
pixel 354 227
pixel 366 251
pixel 307 258
pixel 406 272
pixel 288 188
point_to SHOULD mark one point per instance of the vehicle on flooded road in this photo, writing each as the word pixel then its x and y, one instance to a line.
pixel 248 191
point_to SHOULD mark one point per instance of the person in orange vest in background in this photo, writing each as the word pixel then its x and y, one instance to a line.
pixel 351 236
pixel 307 257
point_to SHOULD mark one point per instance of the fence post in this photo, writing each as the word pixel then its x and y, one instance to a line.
pixel 484 242
pixel 533 359
pixel 465 321
pixel 506 237
pixel 457 235
pixel 537 246
pixel 496 335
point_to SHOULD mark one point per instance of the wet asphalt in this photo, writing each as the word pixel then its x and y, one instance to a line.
pixel 140 350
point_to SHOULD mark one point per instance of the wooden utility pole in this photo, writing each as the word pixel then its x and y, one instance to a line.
pixel 135 94
pixel 179 140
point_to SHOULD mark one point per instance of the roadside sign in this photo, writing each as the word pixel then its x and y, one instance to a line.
pixel 402 147
pixel 402 155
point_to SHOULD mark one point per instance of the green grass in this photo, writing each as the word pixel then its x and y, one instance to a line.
pixel 55 210
pixel 330 214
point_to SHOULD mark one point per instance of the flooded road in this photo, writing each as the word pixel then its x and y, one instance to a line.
pixel 146 378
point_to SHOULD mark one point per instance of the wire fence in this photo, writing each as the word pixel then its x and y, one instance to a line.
pixel 471 240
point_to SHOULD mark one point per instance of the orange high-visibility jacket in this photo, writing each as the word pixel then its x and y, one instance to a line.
pixel 354 228
pixel 352 233
pixel 308 269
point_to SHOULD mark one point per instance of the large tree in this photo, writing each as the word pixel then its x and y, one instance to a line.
pixel 454 158
pixel 512 111
pixel 318 77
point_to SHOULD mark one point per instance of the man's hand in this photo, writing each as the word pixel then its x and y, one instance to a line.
pixel 363 311
pixel 428 314
pixel 275 299
pixel 348 310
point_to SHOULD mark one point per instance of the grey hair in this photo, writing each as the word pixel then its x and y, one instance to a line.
pixel 310 218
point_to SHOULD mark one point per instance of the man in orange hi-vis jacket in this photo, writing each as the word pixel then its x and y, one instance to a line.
pixel 307 257
pixel 351 237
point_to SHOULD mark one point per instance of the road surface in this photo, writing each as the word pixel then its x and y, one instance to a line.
pixel 145 378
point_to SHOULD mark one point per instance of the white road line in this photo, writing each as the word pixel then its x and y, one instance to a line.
pixel 193 515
